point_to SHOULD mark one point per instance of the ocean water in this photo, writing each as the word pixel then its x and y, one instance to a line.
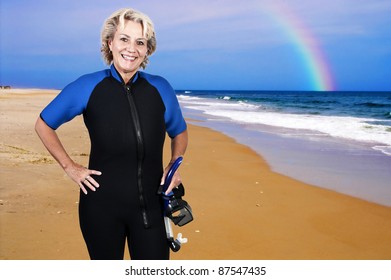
pixel 335 140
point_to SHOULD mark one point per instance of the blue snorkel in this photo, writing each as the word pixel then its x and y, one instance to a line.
pixel 175 208
pixel 167 182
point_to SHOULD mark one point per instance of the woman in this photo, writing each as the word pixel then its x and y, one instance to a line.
pixel 127 114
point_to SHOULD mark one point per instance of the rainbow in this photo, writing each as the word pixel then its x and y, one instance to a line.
pixel 307 46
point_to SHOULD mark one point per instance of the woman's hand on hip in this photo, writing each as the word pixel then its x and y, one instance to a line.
pixel 82 176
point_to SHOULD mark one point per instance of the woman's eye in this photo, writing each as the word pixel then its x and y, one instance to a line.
pixel 124 39
pixel 140 43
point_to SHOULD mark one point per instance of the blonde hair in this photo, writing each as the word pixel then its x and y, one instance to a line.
pixel 118 19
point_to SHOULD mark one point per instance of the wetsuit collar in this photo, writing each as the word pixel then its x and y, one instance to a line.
pixel 118 77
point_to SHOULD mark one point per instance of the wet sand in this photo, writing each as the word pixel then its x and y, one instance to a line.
pixel 242 209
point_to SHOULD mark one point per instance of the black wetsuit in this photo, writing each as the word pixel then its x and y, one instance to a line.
pixel 127 124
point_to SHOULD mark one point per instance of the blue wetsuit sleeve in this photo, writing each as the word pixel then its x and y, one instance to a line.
pixel 71 101
pixel 175 123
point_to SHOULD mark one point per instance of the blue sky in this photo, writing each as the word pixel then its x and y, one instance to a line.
pixel 204 44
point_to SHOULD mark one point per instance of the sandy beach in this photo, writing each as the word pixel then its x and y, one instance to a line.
pixel 242 209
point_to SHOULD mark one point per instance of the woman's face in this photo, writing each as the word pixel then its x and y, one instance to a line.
pixel 129 48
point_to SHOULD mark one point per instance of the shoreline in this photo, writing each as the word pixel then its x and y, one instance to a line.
pixel 325 162
pixel 242 209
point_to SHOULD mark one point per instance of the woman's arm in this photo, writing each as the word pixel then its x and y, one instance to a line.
pixel 178 148
pixel 76 172
pixel 179 145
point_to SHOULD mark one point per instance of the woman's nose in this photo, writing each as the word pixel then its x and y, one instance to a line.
pixel 131 46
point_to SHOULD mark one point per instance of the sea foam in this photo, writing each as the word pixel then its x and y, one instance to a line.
pixel 345 127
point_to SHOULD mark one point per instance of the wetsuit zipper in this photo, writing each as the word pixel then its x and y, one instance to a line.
pixel 140 152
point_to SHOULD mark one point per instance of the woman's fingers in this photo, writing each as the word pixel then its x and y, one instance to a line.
pixel 88 181
pixel 175 182
pixel 83 188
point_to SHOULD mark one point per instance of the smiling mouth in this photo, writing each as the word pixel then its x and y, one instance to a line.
pixel 128 57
